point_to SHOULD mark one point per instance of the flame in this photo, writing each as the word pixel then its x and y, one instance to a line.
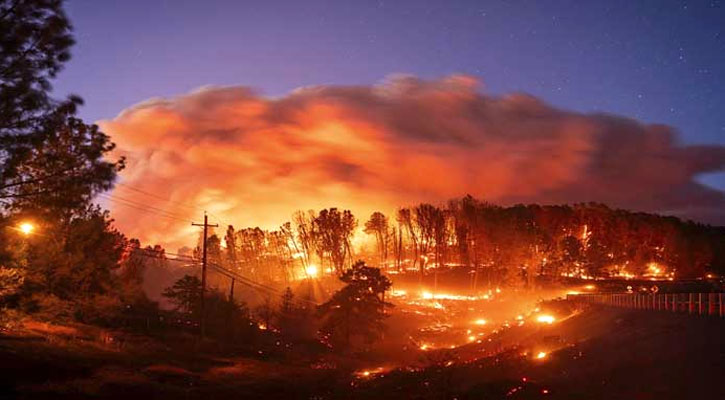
pixel 312 270
pixel 26 228
pixel 545 319
pixel 480 321
pixel 541 355
pixel 447 296
pixel 367 373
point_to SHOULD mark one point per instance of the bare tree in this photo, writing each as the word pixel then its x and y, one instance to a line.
pixel 334 230
pixel 304 222
pixel 378 225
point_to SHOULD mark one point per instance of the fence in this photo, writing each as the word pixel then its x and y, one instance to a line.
pixel 693 303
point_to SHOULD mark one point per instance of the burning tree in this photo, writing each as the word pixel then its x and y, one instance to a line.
pixel 358 309
pixel 378 225
pixel 334 228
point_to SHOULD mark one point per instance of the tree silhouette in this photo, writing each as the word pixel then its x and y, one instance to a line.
pixel 334 229
pixel 35 43
pixel 185 294
pixel 358 309
pixel 378 225
pixel 50 161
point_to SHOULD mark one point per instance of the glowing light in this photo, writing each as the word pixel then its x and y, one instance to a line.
pixel 26 228
pixel 445 296
pixel 424 347
pixel 398 293
pixel 312 270
pixel 590 287
pixel 480 322
pixel 471 338
pixel 540 355
pixel 367 373
pixel 545 319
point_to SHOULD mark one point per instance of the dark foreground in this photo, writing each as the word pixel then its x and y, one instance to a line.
pixel 596 353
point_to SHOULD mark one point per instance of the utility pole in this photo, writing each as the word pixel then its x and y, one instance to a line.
pixel 231 292
pixel 202 320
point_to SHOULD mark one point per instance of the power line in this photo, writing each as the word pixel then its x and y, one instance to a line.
pixel 226 272
pixel 112 196
pixel 148 209
pixel 137 190
pixel 249 282
pixel 160 197
pixel 260 287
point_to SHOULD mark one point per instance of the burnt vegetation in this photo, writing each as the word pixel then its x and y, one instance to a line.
pixel 303 295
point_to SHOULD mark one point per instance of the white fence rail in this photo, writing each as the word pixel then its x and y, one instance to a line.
pixel 712 304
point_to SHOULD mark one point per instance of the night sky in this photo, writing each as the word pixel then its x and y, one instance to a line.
pixel 658 61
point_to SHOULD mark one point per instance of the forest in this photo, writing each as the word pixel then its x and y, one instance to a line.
pixel 504 245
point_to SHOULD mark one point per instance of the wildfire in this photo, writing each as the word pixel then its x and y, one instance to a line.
pixel 312 270
pixel 26 228
pixel 541 355
pixel 545 319
pixel 445 296
pixel 367 373
pixel 480 321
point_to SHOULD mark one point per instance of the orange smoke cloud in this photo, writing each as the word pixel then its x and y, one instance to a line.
pixel 253 160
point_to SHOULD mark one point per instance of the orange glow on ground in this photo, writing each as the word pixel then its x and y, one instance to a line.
pixel 545 319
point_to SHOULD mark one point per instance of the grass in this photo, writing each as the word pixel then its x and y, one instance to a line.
pixel 598 353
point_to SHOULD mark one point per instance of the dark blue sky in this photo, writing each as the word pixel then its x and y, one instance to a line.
pixel 658 61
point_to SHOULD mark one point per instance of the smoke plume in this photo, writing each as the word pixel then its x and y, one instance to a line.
pixel 253 160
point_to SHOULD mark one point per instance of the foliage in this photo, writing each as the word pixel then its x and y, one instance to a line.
pixel 334 228
pixel 52 165
pixel 34 44
pixel 294 321
pixel 225 318
pixel 59 175
pixel 185 294
pixel 358 309
pixel 377 225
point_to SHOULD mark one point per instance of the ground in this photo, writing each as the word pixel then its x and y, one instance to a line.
pixel 590 353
